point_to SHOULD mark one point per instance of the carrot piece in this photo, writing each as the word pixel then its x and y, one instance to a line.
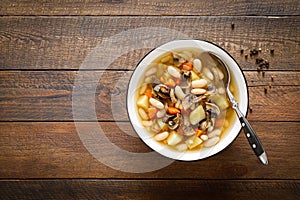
pixel 152 112
pixel 187 66
pixel 173 110
pixel 199 132
pixel 148 92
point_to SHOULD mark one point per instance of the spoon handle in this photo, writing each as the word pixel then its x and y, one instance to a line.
pixel 254 140
pixel 252 137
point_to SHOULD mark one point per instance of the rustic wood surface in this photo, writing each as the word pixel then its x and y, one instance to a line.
pixel 144 7
pixel 43 46
pixel 150 189
pixel 54 150
pixel 64 42
pixel 47 95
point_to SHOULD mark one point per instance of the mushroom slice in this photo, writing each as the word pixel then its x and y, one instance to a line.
pixel 204 124
pixel 186 80
pixel 191 99
pixel 174 122
pixel 213 109
pixel 197 99
pixel 172 95
pixel 178 59
pixel 162 91
pixel 187 101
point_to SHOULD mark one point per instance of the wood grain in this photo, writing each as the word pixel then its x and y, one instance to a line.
pixel 65 42
pixel 142 7
pixel 149 189
pixel 54 150
pixel 47 95
pixel 44 43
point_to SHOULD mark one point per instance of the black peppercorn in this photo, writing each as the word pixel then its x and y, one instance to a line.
pixel 267 64
pixel 259 60
pixel 253 52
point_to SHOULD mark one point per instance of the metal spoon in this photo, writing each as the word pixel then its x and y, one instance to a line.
pixel 249 131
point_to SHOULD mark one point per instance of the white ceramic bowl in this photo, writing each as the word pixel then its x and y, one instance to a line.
pixel 242 97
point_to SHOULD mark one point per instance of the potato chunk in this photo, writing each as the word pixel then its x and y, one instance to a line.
pixel 143 102
pixel 197 115
pixel 193 142
pixel 174 138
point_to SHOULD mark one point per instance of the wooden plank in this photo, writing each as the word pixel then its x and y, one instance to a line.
pixel 47 95
pixel 65 42
pixel 54 150
pixel 142 7
pixel 149 189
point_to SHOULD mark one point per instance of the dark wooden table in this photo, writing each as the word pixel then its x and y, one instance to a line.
pixel 42 47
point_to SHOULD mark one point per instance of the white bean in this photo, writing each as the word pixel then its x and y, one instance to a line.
pixel 156 103
pixel 210 128
pixel 147 123
pixel 161 136
pixel 208 74
pixel 211 141
pixel 143 88
pixel 161 123
pixel 201 83
pixel 149 79
pixel 150 71
pixel 221 75
pixel 221 90
pixel 173 72
pixel 204 137
pixel 161 113
pixel 177 104
pixel 155 128
pixel 198 91
pixel 214 133
pixel 143 114
pixel 197 65
pixel 179 93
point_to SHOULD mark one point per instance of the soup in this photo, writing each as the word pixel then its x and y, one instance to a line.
pixel 182 100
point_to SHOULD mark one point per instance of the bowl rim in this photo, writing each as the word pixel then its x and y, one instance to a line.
pixel 159 148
